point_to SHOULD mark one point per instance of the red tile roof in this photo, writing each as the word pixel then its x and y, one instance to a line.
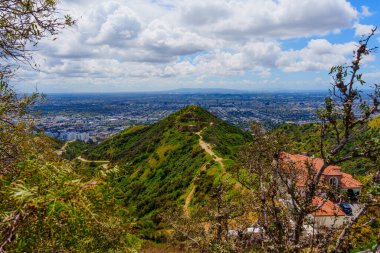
pixel 327 209
pixel 347 182
pixel 303 163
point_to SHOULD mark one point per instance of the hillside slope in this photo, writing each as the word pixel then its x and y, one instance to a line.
pixel 171 163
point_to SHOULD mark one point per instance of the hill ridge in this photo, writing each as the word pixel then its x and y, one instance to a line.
pixel 172 163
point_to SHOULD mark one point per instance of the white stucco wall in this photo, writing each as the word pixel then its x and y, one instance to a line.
pixel 328 221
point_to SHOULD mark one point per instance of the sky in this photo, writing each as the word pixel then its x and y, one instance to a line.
pixel 155 45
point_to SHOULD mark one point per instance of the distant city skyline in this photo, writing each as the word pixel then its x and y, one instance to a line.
pixel 98 116
pixel 195 91
pixel 161 45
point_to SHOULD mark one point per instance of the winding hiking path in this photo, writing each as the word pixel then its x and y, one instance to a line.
pixel 187 202
pixel 190 196
pixel 91 161
pixel 64 147
pixel 105 165
pixel 206 147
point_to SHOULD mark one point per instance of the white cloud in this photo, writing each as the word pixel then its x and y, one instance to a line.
pixel 372 75
pixel 277 19
pixel 120 41
pixel 365 11
pixel 111 24
pixel 362 30
pixel 198 13
pixel 164 39
pixel 255 56
pixel 317 55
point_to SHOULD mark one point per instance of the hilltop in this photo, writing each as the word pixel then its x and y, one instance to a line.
pixel 172 163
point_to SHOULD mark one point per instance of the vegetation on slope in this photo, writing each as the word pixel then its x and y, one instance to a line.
pixel 161 163
pixel 226 138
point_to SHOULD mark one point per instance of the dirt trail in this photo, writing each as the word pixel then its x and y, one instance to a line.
pixel 105 165
pixel 187 202
pixel 63 149
pixel 190 196
pixel 66 145
pixel 91 161
pixel 206 147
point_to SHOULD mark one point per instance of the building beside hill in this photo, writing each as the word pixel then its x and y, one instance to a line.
pixel 330 213
pixel 332 175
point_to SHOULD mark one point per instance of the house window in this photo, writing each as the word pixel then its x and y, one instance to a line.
pixel 334 181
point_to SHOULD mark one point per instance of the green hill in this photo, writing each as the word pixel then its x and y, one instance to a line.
pixel 172 163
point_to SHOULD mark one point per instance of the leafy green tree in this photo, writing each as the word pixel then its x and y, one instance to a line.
pixel 344 135
pixel 23 23
pixel 344 118
pixel 45 205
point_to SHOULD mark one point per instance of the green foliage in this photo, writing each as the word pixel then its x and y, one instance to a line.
pixel 58 205
pixel 15 127
pixel 48 206
pixel 160 162
pixel 305 138
pixel 25 23
pixel 226 138
pixel 74 149
pixel 55 143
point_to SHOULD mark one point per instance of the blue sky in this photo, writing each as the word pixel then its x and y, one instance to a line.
pixel 151 45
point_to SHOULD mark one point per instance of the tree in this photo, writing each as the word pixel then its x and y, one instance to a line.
pixel 271 181
pixel 44 204
pixel 15 127
pixel 273 186
pixel 23 23
pixel 344 119
pixel 209 229
pixel 344 136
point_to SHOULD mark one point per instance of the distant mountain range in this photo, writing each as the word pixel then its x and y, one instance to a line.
pixel 205 91
pixel 185 91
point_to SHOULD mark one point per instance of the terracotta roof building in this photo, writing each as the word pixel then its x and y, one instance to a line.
pixel 300 168
pixel 327 208
pixel 332 174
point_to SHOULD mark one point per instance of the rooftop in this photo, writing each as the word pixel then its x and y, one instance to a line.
pixel 327 209
pixel 304 163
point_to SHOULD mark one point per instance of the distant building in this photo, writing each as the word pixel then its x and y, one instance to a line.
pixel 71 136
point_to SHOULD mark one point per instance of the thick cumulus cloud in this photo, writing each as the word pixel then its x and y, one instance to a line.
pixel 111 25
pixel 173 41
pixel 204 13
pixel 318 55
pixel 238 20
pixel 124 40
